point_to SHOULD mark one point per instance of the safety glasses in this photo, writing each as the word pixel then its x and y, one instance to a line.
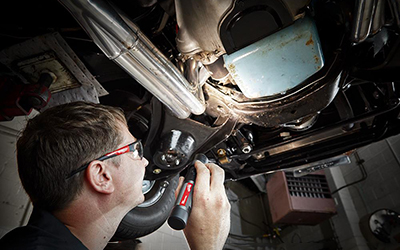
pixel 136 148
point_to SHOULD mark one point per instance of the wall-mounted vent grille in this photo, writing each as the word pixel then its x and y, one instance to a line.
pixel 300 201
pixel 311 186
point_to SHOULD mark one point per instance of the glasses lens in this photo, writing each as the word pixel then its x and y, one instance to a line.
pixel 137 150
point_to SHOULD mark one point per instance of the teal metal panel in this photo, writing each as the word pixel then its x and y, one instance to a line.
pixel 278 62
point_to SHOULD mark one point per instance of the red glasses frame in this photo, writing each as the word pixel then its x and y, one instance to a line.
pixel 133 147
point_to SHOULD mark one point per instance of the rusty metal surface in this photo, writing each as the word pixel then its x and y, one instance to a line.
pixel 308 98
pixel 278 62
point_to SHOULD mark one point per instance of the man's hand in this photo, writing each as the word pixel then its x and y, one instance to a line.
pixel 209 222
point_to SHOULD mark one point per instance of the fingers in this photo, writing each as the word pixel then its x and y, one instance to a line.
pixel 217 176
pixel 203 177
pixel 209 176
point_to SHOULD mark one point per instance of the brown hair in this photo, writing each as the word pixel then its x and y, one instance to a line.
pixel 60 140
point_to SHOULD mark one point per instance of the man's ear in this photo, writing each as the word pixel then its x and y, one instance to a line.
pixel 99 177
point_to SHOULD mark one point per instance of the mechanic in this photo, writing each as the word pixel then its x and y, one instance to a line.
pixel 79 197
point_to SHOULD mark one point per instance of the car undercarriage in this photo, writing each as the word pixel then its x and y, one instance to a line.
pixel 258 86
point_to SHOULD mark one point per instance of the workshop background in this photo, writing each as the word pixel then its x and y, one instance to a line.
pixel 371 182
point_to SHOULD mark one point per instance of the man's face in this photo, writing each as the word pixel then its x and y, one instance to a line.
pixel 130 173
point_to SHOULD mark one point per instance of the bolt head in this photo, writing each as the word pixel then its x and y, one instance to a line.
pixel 157 171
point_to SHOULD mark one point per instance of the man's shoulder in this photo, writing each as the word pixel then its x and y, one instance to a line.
pixel 27 237
pixel 32 237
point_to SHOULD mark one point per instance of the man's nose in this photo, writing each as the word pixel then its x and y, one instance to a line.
pixel 146 162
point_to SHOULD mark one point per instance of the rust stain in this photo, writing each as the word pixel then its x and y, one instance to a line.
pixel 232 68
pixel 286 42
pixel 310 41
pixel 316 59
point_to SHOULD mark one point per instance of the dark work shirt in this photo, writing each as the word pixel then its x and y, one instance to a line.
pixel 43 232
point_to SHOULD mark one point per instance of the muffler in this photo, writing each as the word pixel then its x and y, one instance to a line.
pixel 123 42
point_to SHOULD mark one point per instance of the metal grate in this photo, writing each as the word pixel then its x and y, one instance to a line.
pixel 311 186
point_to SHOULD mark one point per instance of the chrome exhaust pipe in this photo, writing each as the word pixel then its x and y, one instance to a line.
pixel 123 42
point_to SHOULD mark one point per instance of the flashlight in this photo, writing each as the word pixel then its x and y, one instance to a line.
pixel 183 205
